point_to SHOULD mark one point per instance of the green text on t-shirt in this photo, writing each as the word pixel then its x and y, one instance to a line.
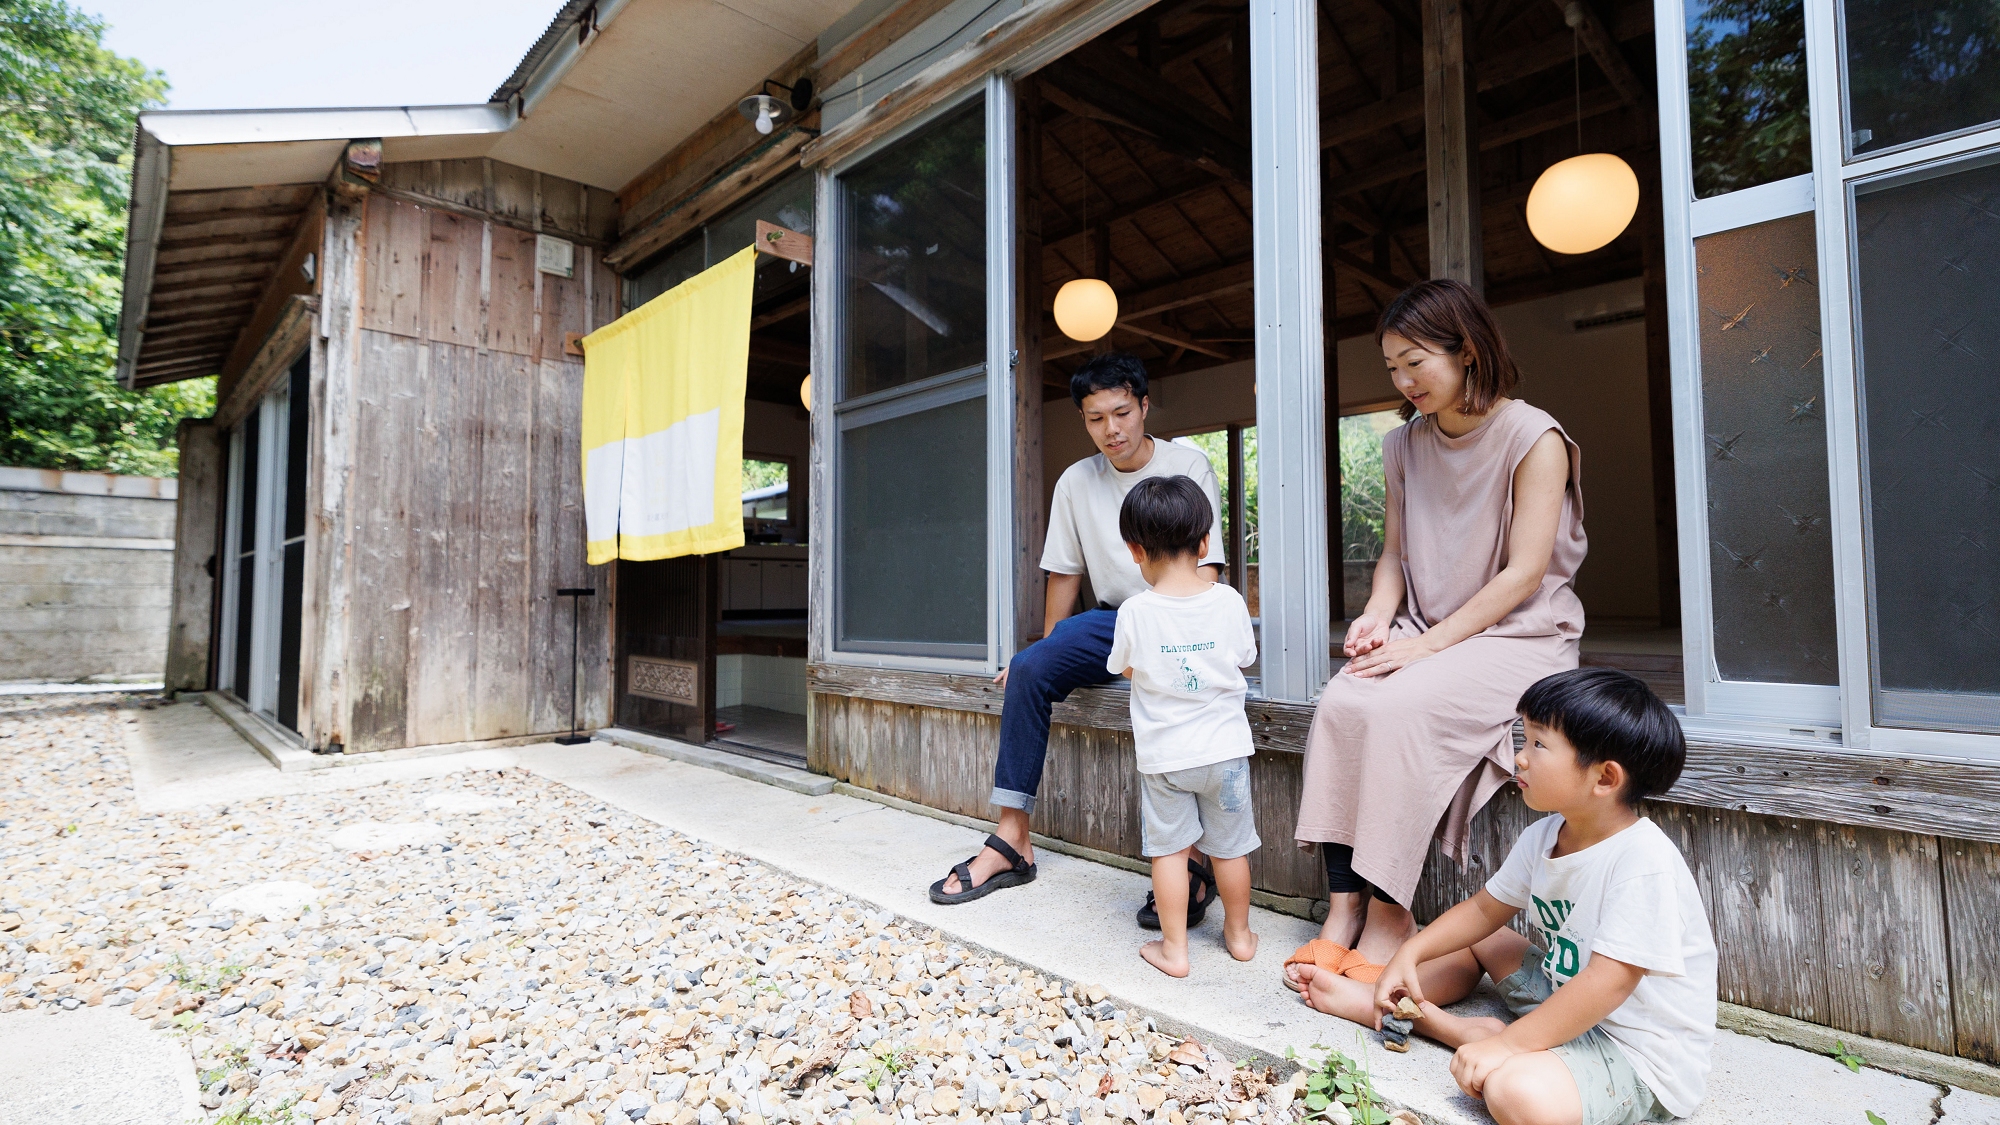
pixel 1565 958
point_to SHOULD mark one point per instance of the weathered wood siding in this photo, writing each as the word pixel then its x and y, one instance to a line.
pixel 1872 930
pixel 465 489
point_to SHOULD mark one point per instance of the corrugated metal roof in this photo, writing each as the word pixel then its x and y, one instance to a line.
pixel 564 23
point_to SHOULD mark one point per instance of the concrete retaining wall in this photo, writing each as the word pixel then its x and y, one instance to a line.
pixel 86 570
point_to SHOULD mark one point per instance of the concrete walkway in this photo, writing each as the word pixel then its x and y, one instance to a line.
pixel 96 1065
pixel 1074 921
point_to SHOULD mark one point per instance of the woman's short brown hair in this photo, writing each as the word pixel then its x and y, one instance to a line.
pixel 1446 315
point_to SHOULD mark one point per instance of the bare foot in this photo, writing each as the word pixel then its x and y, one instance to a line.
pixel 1242 946
pixel 1456 1031
pixel 1157 955
pixel 985 865
pixel 1387 929
pixel 1337 995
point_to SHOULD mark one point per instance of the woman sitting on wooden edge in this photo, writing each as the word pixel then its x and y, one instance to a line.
pixel 1472 602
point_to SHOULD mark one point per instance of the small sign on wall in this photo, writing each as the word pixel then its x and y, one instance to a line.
pixel 555 255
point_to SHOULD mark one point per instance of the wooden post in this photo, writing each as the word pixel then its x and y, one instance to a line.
pixel 1336 571
pixel 324 675
pixel 1030 521
pixel 1451 151
pixel 1239 566
pixel 1659 392
pixel 197 508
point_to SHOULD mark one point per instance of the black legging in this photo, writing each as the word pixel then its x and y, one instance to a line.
pixel 1340 876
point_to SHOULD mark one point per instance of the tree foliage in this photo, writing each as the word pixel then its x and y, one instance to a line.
pixel 1747 93
pixel 67 112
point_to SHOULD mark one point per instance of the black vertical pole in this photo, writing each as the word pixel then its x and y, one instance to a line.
pixel 575 594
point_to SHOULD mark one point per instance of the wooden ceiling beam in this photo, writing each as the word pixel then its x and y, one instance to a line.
pixel 1408 106
pixel 1167 335
pixel 777 351
pixel 782 313
pixel 1492 135
pixel 233 314
pixel 1101 82
pixel 1603 48
pixel 1367 272
pixel 186 269
pixel 241 238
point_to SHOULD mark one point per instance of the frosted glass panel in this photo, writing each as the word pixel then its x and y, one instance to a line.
pixel 1747 93
pixel 1919 68
pixel 913 533
pixel 1928 273
pixel 1764 428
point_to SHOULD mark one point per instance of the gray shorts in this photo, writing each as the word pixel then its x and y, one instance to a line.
pixel 1207 805
pixel 1611 1091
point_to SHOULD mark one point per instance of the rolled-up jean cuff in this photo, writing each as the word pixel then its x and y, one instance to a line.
pixel 1008 799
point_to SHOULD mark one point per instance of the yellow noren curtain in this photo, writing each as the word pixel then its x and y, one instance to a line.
pixel 663 390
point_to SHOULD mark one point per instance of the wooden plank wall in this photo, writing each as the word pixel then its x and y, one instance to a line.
pixel 466 486
pixel 1869 930
pixel 944 759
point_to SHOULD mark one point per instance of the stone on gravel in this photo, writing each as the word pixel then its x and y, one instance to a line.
pixel 372 836
pixel 466 802
pixel 273 902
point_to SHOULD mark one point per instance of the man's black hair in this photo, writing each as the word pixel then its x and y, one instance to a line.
pixel 1165 516
pixel 1612 717
pixel 1108 372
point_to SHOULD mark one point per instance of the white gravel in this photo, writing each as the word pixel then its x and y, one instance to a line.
pixel 495 947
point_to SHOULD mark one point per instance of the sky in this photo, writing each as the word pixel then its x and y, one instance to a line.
pixel 236 54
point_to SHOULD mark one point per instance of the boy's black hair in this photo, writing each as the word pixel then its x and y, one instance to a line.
pixel 1165 516
pixel 1612 717
pixel 1108 372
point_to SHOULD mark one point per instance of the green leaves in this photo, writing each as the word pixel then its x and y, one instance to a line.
pixel 68 109
pixel 1874 1118
pixel 1847 1058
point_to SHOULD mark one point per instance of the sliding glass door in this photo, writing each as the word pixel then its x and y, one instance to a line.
pixel 263 555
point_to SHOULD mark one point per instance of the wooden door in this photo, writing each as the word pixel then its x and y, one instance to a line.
pixel 666 647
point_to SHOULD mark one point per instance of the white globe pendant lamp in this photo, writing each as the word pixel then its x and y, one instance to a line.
pixel 806 392
pixel 1086 308
pixel 1581 204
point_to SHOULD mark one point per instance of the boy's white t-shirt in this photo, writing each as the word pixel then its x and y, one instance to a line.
pixel 1631 898
pixel 1187 657
pixel 1083 518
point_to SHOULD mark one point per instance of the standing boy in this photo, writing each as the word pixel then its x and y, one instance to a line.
pixel 1185 642
pixel 1616 998
pixel 1110 393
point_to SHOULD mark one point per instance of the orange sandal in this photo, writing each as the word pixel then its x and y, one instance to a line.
pixel 1356 967
pixel 1327 956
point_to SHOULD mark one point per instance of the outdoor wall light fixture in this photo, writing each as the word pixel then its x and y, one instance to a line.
pixel 1086 308
pixel 768 111
pixel 1582 203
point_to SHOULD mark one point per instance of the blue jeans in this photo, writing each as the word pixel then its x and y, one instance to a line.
pixel 1043 674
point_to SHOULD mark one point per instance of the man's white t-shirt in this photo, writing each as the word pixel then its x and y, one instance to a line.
pixel 1631 898
pixel 1083 518
pixel 1187 657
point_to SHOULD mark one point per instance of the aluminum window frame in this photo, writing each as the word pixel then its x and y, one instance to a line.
pixel 991 378
pixel 1772 713
pixel 267 554
pixel 1840 298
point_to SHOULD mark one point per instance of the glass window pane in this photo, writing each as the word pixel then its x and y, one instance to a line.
pixel 1764 427
pixel 664 272
pixel 1919 68
pixel 915 257
pixel 913 533
pixel 1928 267
pixel 1747 93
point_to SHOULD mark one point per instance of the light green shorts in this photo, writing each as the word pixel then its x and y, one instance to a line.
pixel 1612 1092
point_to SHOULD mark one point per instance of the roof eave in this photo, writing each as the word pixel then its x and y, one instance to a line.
pixel 152 163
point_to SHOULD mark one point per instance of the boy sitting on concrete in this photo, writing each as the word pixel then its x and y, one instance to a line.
pixel 1616 997
pixel 1184 643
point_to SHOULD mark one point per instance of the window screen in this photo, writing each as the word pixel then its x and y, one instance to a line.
pixel 1928 269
